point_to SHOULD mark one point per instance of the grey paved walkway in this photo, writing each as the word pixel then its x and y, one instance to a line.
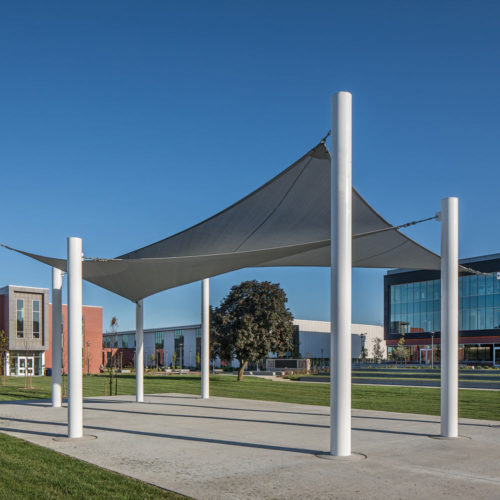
pixel 233 448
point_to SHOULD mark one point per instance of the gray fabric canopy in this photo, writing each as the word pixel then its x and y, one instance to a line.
pixel 286 222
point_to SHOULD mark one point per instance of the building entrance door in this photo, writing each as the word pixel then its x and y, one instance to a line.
pixel 496 356
pixel 425 356
pixel 25 365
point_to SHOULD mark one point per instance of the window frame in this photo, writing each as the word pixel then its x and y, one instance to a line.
pixel 20 333
pixel 36 335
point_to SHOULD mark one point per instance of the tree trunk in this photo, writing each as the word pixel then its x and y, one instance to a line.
pixel 241 370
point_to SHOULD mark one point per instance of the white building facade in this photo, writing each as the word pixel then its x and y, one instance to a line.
pixel 314 339
pixel 180 345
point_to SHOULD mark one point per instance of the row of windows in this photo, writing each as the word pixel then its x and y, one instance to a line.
pixel 111 341
pixel 469 286
pixel 466 353
pixel 416 307
pixel 35 319
pixel 469 319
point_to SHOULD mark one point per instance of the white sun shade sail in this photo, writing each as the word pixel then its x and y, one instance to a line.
pixel 286 222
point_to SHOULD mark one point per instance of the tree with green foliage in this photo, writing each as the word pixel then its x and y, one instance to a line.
pixel 364 354
pixel 401 352
pixel 378 351
pixel 251 322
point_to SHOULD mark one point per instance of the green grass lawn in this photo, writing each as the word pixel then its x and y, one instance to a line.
pixel 29 471
pixel 481 404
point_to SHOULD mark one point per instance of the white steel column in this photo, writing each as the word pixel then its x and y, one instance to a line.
pixel 139 353
pixel 205 338
pixel 341 271
pixel 449 317
pixel 57 276
pixel 75 393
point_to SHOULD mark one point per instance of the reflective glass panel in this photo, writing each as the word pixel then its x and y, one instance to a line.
pixel 404 293
pixel 20 318
pixel 481 285
pixel 466 286
pixel 496 319
pixel 416 292
pixel 36 319
pixel 473 285
pixel 489 318
pixel 437 289
pixel 489 284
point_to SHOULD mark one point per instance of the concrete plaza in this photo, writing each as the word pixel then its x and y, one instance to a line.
pixel 234 448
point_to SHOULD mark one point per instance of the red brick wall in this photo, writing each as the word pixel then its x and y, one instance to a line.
pixel 92 339
pixel 124 354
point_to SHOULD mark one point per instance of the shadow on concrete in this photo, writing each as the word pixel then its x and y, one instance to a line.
pixel 437 422
pixel 174 415
pixel 198 439
pixel 237 409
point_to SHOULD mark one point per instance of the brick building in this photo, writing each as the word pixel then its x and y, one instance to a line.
pixel 26 318
pixel 92 339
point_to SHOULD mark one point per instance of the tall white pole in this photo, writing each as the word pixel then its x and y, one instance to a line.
pixel 57 276
pixel 75 393
pixel 139 353
pixel 205 338
pixel 341 271
pixel 449 317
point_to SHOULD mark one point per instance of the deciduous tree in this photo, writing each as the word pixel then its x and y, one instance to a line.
pixel 378 351
pixel 251 322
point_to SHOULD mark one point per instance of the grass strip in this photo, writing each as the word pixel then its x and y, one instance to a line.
pixel 34 472
pixel 478 404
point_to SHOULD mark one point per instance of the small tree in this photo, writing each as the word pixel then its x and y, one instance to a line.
pixel 251 322
pixel 198 359
pixel 174 359
pixel 401 351
pixel 364 354
pixel 4 347
pixel 113 360
pixel 378 351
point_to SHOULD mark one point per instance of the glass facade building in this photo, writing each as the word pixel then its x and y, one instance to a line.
pixel 412 307
pixel 416 307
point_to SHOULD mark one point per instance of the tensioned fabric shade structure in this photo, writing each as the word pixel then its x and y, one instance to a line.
pixel 286 222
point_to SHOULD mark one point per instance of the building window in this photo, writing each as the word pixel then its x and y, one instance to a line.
pixel 159 340
pixel 125 341
pixel 20 318
pixel 36 319
pixel 179 345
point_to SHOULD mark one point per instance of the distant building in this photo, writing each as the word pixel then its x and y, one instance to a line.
pixel 311 339
pixel 26 318
pixel 314 339
pixel 412 306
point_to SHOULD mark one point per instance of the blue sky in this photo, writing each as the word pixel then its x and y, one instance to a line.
pixel 124 122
